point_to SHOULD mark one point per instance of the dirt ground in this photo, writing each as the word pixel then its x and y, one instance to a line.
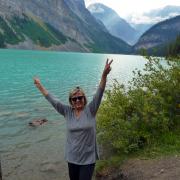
pixel 166 168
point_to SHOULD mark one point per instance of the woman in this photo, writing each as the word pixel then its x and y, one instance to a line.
pixel 81 147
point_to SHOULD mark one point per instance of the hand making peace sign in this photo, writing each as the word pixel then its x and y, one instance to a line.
pixel 107 67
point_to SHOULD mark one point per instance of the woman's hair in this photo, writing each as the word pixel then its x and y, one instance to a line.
pixel 74 91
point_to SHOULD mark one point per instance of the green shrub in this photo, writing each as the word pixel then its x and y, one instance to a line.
pixel 130 119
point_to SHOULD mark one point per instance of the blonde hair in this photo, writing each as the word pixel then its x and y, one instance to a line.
pixel 74 91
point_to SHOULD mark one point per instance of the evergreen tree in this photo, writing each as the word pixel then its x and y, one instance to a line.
pixel 173 48
pixel 2 45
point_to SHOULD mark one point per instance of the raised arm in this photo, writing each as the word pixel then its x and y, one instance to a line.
pixel 94 104
pixel 60 107
pixel 41 88
pixel 106 71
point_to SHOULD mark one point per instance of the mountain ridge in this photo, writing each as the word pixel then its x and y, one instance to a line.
pixel 69 17
pixel 159 36
pixel 116 25
pixel 64 26
pixel 153 17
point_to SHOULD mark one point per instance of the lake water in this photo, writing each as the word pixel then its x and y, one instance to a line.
pixel 38 153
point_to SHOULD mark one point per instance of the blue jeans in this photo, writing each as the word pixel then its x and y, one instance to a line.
pixel 80 172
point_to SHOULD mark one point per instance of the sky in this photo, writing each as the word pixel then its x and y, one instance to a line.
pixel 133 9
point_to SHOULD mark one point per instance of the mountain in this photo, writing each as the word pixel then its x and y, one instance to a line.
pixel 55 24
pixel 159 36
pixel 113 22
pixel 148 19
pixel 141 28
pixel 26 32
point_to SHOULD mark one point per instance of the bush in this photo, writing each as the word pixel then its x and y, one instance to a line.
pixel 129 119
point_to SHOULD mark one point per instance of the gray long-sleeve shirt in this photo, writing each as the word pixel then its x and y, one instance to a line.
pixel 81 145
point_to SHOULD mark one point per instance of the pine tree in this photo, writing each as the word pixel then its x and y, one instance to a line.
pixel 2 45
pixel 173 48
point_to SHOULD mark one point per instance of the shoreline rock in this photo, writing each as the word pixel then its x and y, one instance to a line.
pixel 38 122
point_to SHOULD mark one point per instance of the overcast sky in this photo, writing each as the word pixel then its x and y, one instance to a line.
pixel 126 8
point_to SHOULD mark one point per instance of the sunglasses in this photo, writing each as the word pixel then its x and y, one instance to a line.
pixel 74 99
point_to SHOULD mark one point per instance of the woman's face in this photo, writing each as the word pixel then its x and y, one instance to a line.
pixel 78 101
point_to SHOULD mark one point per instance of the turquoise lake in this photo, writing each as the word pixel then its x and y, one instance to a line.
pixel 38 153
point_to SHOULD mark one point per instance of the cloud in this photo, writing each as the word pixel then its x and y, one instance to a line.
pixel 137 12
pixel 96 9
pixel 141 19
pixel 125 8
pixel 173 14
pixel 144 19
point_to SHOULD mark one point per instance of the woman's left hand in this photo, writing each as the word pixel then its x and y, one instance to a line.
pixel 107 67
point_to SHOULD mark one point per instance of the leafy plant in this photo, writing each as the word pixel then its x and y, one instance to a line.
pixel 131 119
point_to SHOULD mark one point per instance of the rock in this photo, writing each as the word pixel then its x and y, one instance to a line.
pixel 49 168
pixel 162 170
pixel 38 122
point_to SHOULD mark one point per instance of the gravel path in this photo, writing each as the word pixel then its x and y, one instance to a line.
pixel 166 168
